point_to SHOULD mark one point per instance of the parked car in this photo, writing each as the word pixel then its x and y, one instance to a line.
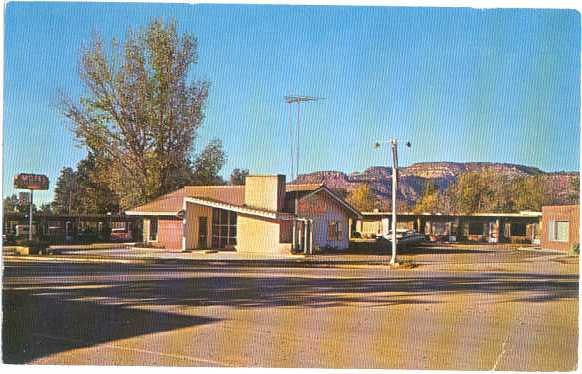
pixel 404 237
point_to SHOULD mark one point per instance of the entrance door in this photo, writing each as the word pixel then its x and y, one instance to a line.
pixel 385 227
pixel 202 232
pixel 493 233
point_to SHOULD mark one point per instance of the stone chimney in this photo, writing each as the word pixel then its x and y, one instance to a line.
pixel 265 192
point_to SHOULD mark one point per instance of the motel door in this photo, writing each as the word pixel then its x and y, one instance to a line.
pixel 385 226
pixel 492 233
pixel 202 232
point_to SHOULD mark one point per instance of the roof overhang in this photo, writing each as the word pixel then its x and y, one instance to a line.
pixel 501 215
pixel 139 213
pixel 239 209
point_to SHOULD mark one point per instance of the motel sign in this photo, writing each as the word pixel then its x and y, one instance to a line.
pixel 31 181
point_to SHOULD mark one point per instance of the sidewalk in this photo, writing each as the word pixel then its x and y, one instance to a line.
pixel 161 256
pixel 141 255
pixel 422 256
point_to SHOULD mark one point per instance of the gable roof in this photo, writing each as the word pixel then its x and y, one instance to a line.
pixel 233 196
pixel 302 187
pixel 344 204
pixel 172 202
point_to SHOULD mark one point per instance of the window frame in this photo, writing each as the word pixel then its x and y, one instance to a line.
pixel 515 225
pixel 473 225
pixel 335 230
pixel 553 231
pixel 157 226
pixel 224 234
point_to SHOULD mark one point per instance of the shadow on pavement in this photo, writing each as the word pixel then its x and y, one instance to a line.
pixel 386 250
pixel 39 324
pixel 51 308
pixel 325 260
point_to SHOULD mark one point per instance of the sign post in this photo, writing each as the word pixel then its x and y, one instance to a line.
pixel 30 217
pixel 31 182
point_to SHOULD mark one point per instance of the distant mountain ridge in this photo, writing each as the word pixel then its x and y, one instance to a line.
pixel 413 178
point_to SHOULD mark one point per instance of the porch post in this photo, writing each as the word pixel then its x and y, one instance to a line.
pixel 311 236
pixel 293 246
pixel 305 228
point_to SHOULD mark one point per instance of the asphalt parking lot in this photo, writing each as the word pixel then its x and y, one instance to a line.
pixel 458 309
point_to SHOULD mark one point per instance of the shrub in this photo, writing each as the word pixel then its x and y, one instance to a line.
pixel 407 264
pixel 8 239
pixel 576 249
pixel 36 246
pixel 148 245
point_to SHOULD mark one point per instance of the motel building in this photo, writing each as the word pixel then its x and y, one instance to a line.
pixel 266 215
pixel 523 227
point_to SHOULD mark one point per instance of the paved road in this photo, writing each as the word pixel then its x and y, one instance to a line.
pixel 504 310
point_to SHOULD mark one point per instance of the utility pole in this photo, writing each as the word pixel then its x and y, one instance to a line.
pixel 295 141
pixel 394 147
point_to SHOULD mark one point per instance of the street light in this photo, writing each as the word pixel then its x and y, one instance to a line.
pixel 394 146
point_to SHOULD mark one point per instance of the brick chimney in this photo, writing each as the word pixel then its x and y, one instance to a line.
pixel 265 192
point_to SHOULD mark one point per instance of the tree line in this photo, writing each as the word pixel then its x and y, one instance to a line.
pixel 488 191
pixel 472 192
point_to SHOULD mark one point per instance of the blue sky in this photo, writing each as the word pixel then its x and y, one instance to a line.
pixel 461 84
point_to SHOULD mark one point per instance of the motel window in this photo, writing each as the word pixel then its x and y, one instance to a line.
pixel 223 228
pixel 475 228
pixel 559 231
pixel 334 230
pixel 439 228
pixel 119 226
pixel 153 229
pixel 518 229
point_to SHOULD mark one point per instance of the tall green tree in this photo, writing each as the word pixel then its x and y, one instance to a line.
pixel 66 192
pixel 10 204
pixel 528 193
pixel 486 191
pixel 46 208
pixel 95 195
pixel 574 196
pixel 208 163
pixel 140 111
pixel 429 201
pixel 362 198
pixel 13 204
pixel 83 191
pixel 471 192
pixel 237 177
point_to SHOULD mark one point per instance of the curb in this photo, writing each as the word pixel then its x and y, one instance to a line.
pixel 543 250
pixel 72 260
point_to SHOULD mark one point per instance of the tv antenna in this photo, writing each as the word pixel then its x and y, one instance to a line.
pixel 291 100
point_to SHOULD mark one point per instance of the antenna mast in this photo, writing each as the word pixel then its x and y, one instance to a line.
pixel 295 141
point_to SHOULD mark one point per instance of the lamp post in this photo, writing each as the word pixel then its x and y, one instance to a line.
pixel 394 147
